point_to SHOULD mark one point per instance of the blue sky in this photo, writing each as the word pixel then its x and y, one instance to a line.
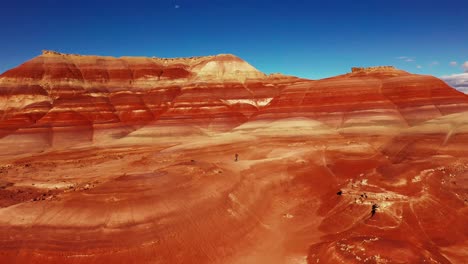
pixel 313 39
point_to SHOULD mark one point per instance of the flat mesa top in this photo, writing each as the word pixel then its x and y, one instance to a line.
pixel 192 59
pixel 373 68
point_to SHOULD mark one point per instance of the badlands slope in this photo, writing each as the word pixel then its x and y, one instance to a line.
pixel 131 160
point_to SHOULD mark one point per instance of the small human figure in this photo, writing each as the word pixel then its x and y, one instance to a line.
pixel 339 192
pixel 236 157
pixel 374 209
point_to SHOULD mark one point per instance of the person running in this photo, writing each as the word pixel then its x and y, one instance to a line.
pixel 236 157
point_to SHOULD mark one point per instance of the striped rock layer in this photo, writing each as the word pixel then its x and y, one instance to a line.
pixel 60 99
pixel 208 160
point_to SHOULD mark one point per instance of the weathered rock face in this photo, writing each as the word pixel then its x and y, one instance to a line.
pixel 64 99
pixel 56 94
pixel 207 160
pixel 376 100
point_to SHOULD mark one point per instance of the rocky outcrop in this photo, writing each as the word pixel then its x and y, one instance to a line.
pixel 372 69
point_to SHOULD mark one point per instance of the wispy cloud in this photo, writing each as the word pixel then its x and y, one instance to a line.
pixel 465 66
pixel 419 67
pixel 458 81
pixel 453 63
pixel 406 58
pixel 434 63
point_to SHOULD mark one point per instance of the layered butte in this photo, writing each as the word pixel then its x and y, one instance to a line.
pixel 60 99
pixel 208 160
pixel 368 100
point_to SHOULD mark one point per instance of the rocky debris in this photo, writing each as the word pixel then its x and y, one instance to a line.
pixel 5 168
pixel 372 69
pixel 12 195
pixel 288 216
pixel 51 52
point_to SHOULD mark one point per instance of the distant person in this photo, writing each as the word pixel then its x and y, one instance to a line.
pixel 374 209
pixel 236 157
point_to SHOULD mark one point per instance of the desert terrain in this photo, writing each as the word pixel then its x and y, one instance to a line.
pixel 208 160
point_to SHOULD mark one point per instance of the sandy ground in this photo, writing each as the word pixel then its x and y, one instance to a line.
pixel 191 202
